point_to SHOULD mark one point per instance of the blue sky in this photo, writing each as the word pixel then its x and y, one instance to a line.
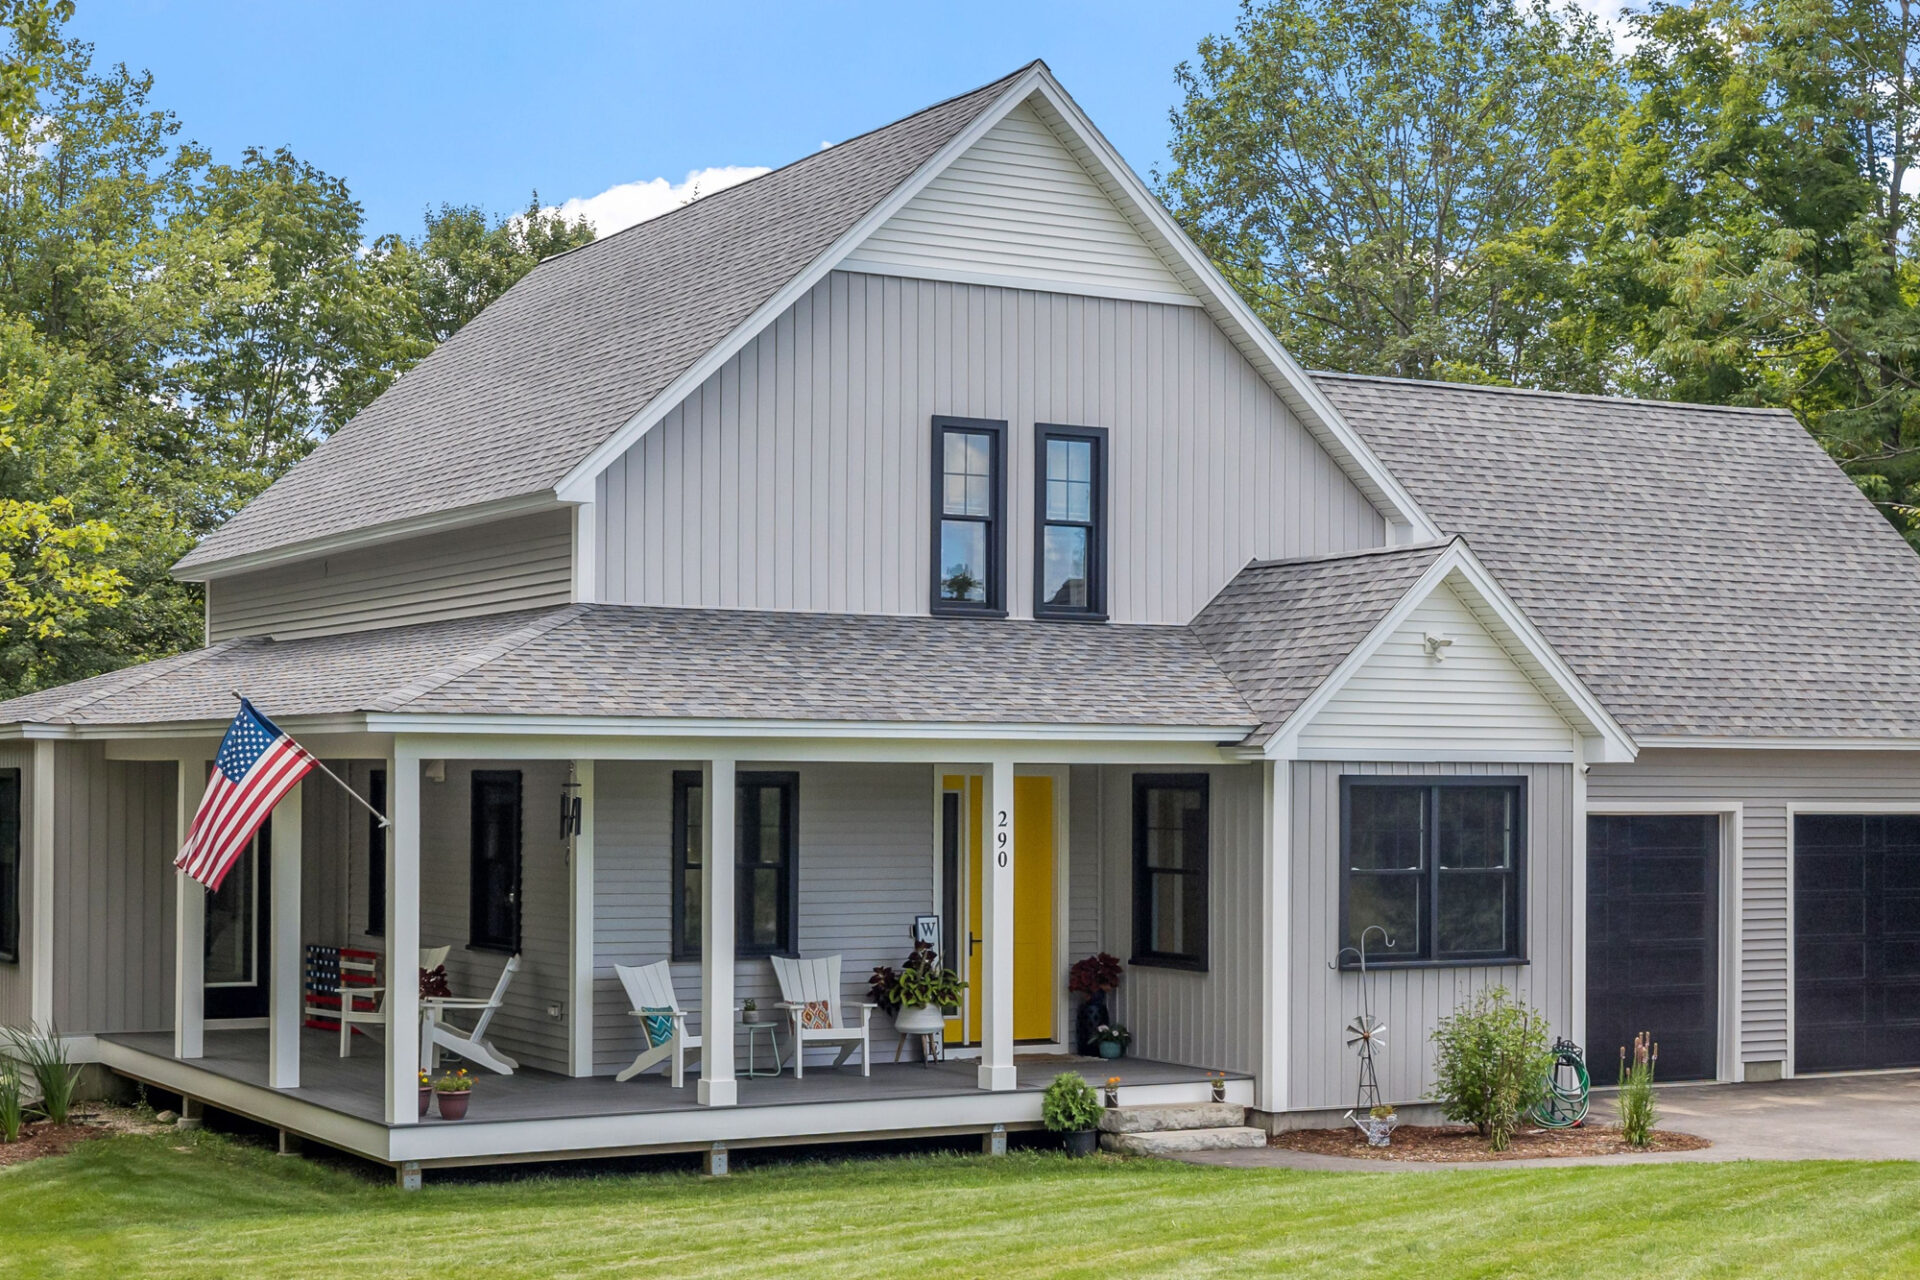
pixel 416 103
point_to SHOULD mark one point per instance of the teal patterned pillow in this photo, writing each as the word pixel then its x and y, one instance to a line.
pixel 659 1025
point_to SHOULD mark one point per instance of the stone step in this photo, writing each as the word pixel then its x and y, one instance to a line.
pixel 1169 1142
pixel 1176 1115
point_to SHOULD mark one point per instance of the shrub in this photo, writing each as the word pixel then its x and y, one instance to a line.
pixel 1637 1113
pixel 44 1055
pixel 1491 1064
pixel 1070 1105
pixel 10 1108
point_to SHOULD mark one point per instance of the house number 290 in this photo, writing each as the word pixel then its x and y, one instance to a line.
pixel 1000 836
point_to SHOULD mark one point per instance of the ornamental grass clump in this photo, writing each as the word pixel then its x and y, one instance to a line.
pixel 12 1113
pixel 43 1054
pixel 1491 1064
pixel 1637 1112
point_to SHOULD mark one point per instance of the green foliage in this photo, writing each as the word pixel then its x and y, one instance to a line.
pixel 919 981
pixel 43 1055
pixel 1638 1115
pixel 1491 1059
pixel 1070 1105
pixel 12 1114
pixel 453 1082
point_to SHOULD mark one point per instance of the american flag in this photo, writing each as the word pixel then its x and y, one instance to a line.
pixel 257 765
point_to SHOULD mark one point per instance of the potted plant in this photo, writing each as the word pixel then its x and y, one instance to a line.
pixel 1218 1079
pixel 1110 1039
pixel 1070 1108
pixel 426 1093
pixel 454 1090
pixel 1378 1124
pixel 1094 977
pixel 918 993
pixel 1113 1091
pixel 749 1011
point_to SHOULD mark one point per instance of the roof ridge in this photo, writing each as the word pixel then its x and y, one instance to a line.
pixel 466 663
pixel 1324 556
pixel 794 163
pixel 1557 395
pixel 146 672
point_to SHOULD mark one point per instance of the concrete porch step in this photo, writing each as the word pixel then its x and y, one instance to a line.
pixel 1168 1142
pixel 1173 1116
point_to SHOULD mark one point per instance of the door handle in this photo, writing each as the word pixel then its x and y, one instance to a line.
pixel 972 942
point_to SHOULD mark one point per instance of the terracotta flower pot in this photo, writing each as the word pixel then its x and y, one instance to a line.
pixel 426 1098
pixel 453 1106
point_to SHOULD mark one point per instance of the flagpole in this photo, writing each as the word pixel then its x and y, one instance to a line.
pixel 379 817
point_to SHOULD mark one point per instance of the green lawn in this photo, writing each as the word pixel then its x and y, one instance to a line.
pixel 201 1205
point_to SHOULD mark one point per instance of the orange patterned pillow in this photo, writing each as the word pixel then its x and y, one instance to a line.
pixel 816 1015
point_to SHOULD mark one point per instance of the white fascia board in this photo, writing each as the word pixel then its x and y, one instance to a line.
pixel 393 531
pixel 1608 741
pixel 1676 742
pixel 578 484
pixel 30 732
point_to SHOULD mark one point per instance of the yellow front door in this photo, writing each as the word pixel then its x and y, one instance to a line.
pixel 1034 976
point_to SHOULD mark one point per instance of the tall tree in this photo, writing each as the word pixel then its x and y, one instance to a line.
pixel 1376 177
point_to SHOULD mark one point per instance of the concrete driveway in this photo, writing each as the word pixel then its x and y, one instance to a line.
pixel 1857 1117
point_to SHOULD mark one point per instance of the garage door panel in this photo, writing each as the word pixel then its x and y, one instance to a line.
pixel 1856 947
pixel 1824 872
pixel 1832 915
pixel 1900 915
pixel 1824 832
pixel 1834 959
pixel 1662 873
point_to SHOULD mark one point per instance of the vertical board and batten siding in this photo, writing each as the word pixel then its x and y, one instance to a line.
pixel 1763 783
pixel 522 1027
pixel 1402 699
pixel 1322 1069
pixel 16 981
pixel 1018 205
pixel 865 839
pixel 522 563
pixel 1207 1019
pixel 112 892
pixel 799 476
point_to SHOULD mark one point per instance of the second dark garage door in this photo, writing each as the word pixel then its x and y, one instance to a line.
pixel 1856 941
pixel 1653 941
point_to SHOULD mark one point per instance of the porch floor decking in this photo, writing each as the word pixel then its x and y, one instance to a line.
pixel 353 1086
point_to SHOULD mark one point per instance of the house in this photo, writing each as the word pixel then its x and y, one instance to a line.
pixel 933 498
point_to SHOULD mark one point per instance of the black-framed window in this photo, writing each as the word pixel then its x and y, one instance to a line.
pixel 1070 547
pixel 1439 865
pixel 493 914
pixel 376 854
pixel 10 865
pixel 766 862
pixel 969 515
pixel 1170 856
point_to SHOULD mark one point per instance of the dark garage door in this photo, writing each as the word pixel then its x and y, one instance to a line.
pixel 1653 941
pixel 1856 941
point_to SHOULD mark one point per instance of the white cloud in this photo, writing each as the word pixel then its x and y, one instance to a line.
pixel 620 207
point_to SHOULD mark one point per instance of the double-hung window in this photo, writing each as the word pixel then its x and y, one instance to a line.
pixel 9 864
pixel 969 512
pixel 765 867
pixel 1070 552
pixel 1170 856
pixel 493 908
pixel 1437 865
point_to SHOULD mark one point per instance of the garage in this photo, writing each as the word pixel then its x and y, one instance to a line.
pixel 1856 941
pixel 1653 940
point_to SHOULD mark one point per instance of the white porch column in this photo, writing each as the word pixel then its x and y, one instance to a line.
pixel 40 926
pixel 189 923
pixel 717 1085
pixel 996 911
pixel 403 937
pixel 580 932
pixel 283 945
pixel 1276 935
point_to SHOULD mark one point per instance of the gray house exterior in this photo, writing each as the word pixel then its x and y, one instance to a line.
pixel 934 496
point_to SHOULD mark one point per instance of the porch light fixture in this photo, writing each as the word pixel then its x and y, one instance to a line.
pixel 436 770
pixel 1437 645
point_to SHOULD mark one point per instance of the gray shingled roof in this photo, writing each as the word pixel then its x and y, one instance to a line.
pixel 516 399
pixel 1280 627
pixel 626 660
pixel 1706 571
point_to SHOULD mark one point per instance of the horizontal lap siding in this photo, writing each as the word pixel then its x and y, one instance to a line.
pixel 865 870
pixel 1323 1071
pixel 1764 783
pixel 1208 1019
pixel 799 475
pixel 522 563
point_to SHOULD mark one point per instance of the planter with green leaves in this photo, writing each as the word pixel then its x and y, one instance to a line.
pixel 453 1091
pixel 1110 1040
pixel 1072 1109
pixel 1378 1124
pixel 750 1012
pixel 918 993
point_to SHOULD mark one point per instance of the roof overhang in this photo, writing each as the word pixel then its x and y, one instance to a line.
pixel 1603 738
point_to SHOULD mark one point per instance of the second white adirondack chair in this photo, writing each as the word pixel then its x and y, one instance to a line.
pixel 430 958
pixel 437 1034
pixel 651 987
pixel 805 985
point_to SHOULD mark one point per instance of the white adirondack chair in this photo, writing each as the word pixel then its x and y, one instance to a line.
pixel 651 987
pixel 804 982
pixel 437 1034
pixel 430 958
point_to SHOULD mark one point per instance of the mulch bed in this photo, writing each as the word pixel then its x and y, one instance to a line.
pixel 96 1121
pixel 1459 1144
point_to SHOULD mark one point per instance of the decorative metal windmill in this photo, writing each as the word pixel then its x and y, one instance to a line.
pixel 1366 1034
